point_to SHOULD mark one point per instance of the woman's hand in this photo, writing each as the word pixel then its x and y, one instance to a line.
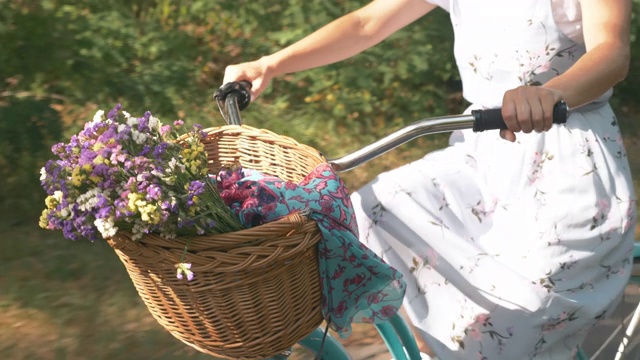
pixel 256 72
pixel 527 109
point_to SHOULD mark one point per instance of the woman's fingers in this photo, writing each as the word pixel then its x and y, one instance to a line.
pixel 527 109
pixel 510 113
pixel 508 135
pixel 524 112
pixel 252 72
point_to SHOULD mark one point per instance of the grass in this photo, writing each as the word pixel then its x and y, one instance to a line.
pixel 74 300
pixel 66 300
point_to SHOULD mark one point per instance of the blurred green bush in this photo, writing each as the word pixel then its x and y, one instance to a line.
pixel 63 60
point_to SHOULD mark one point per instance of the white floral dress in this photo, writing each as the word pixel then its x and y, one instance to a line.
pixel 510 250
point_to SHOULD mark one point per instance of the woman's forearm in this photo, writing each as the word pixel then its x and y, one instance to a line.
pixel 346 36
pixel 595 73
pixel 606 35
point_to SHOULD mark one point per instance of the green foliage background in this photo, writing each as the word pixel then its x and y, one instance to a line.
pixel 60 61
pixel 63 60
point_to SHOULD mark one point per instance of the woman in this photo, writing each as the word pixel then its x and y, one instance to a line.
pixel 513 244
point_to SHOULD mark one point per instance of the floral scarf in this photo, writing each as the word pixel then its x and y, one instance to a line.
pixel 357 285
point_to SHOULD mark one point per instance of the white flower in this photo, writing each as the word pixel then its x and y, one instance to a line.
pixel 170 180
pixel 154 123
pixel 88 200
pixel 139 137
pixel 65 213
pixel 43 174
pixel 157 173
pixel 58 195
pixel 106 227
pixel 99 116
pixel 173 163
pixel 131 120
pixel 139 230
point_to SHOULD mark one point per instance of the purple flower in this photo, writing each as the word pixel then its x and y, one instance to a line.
pixel 153 192
pixel 114 112
pixel 167 205
pixel 145 150
pixel 160 150
pixel 143 122
pixel 197 131
pixel 184 269
pixel 196 187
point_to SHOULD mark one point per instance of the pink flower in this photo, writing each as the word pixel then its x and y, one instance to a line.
pixel 603 205
pixel 165 129
pixel 481 319
pixel 432 257
pixel 474 333
pixel 388 311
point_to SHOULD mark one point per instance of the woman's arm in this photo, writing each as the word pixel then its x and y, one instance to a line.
pixel 336 41
pixel 606 30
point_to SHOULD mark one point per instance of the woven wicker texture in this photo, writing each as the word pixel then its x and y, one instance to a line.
pixel 256 292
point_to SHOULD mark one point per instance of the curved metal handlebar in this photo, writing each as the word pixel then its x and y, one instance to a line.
pixel 406 134
pixel 236 96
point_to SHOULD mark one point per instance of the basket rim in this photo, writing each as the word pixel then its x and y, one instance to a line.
pixel 291 223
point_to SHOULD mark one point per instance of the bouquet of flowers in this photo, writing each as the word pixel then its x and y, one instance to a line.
pixel 126 173
pixel 148 189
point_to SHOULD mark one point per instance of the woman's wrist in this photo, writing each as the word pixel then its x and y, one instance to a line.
pixel 271 65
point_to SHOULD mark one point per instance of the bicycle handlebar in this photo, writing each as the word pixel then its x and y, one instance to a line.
pixel 491 119
pixel 236 96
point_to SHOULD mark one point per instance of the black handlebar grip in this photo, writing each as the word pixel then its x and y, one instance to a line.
pixel 240 89
pixel 491 119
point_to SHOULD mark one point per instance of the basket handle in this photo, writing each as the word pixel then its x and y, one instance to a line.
pixel 232 98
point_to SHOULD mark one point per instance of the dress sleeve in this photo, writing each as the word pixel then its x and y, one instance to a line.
pixel 568 17
pixel 445 4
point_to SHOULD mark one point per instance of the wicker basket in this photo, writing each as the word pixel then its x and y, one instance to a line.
pixel 256 292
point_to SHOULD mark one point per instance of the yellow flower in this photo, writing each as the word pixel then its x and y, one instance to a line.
pixel 98 160
pixel 44 221
pixel 192 210
pixel 149 213
pixel 133 199
pixel 51 202
pixel 76 176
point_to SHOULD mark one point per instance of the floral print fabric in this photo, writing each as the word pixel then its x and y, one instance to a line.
pixel 357 285
pixel 509 250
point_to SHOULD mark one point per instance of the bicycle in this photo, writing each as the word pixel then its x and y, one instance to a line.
pixel 396 333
